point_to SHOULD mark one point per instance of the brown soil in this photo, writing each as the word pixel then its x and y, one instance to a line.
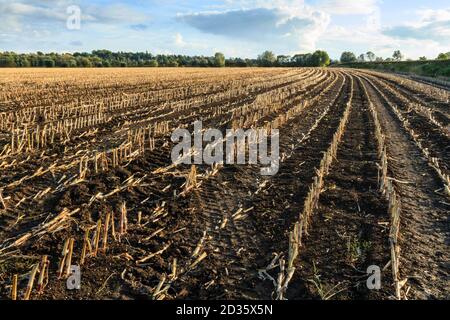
pixel 348 233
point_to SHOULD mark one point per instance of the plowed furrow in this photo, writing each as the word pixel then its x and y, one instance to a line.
pixel 424 228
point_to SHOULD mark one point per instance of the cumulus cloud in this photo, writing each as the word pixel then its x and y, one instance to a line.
pixel 426 35
pixel 42 24
pixel 430 15
pixel 114 14
pixel 34 14
pixel 272 25
pixel 369 9
pixel 27 10
pixel 349 7
pixel 433 25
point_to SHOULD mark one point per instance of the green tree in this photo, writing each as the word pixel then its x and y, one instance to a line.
pixel 398 56
pixel 7 62
pixel 267 59
pixel 302 60
pixel 48 63
pixel 443 56
pixel 172 63
pixel 84 62
pixel 283 60
pixel 320 59
pixel 23 62
pixel 348 57
pixel 153 63
pixel 97 61
pixel 371 56
pixel 219 60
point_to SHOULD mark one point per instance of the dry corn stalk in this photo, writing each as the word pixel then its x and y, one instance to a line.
pixel 98 231
pixel 153 254
pixel 2 201
pixel 224 223
pixel 123 218
pixel 198 260
pixel 43 275
pixel 139 218
pixel 285 275
pixel 55 224
pixel 86 247
pixel 237 214
pixel 154 234
pixel 31 282
pixel 105 231
pixel 14 287
pixel 113 227
pixel 158 290
pixel 173 275
pixel 63 257
pixel 69 257
pixel 280 281
pixel 293 245
pixel 199 245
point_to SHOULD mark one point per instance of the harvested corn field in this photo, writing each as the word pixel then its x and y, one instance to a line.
pixel 88 187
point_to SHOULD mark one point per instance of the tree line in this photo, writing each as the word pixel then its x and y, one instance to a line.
pixel 106 58
pixel 350 57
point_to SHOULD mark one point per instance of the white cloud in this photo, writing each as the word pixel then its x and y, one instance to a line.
pixel 273 23
pixel 427 36
pixel 114 13
pixel 10 24
pixel 27 10
pixel 432 25
pixel 430 15
pixel 39 14
pixel 349 7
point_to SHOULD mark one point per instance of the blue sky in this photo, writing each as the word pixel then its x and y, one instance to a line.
pixel 242 28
